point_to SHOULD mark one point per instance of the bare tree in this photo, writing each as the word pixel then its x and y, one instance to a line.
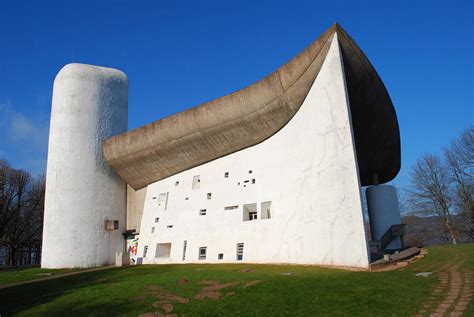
pixel 430 193
pixel 21 210
pixel 460 161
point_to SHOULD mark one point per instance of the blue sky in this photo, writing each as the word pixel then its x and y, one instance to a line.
pixel 178 54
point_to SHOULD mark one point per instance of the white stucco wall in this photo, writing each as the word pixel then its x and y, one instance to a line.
pixel 89 105
pixel 308 170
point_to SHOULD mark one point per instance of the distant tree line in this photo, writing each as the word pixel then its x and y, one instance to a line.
pixel 21 215
pixel 441 192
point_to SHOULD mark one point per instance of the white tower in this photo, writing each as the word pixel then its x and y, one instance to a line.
pixel 83 194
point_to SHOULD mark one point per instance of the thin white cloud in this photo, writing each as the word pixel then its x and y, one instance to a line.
pixel 24 139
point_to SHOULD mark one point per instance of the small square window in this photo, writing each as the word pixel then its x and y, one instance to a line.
pixel 169 226
pixel 253 180
pixel 202 253
pixel 202 212
pixel 226 174
pixel 157 219
pixel 152 229
pixel 176 183
pixel 209 196
pixel 220 256
pixel 250 172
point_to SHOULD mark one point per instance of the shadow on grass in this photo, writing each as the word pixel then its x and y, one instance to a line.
pixel 21 298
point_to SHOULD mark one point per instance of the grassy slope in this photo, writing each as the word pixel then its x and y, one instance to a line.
pixel 308 291
pixel 25 274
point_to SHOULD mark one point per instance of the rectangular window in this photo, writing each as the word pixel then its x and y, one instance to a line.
pixel 163 200
pixel 220 256
pixel 253 180
pixel 250 172
pixel 157 219
pixel 209 196
pixel 169 226
pixel 145 251
pixel 202 253
pixel 226 174
pixel 176 183
pixel 163 250
pixel 185 244
pixel 152 229
pixel 265 210
pixel 249 212
pixel 111 224
pixel 240 251
pixel 231 207
pixel 202 212
pixel 196 182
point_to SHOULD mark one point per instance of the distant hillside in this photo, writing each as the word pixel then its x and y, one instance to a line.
pixel 421 231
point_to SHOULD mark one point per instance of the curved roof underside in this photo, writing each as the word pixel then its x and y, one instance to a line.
pixel 251 115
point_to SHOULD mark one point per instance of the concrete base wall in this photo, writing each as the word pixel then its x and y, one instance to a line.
pixel 308 171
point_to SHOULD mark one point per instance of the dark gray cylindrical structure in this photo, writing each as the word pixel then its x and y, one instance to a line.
pixel 384 211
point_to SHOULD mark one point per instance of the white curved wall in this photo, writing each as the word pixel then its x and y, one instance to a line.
pixel 384 211
pixel 90 104
pixel 308 170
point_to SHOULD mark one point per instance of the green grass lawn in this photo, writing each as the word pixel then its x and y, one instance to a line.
pixel 8 276
pixel 306 291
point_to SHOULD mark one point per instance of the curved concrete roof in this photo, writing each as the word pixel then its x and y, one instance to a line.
pixel 251 115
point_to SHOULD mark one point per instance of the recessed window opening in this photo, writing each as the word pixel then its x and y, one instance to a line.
pixel 185 244
pixel 220 256
pixel 157 219
pixel 209 196
pixel 238 184
pixel 163 200
pixel 246 181
pixel 145 251
pixel 249 212
pixel 176 183
pixel 202 253
pixel 187 198
pixel 152 229
pixel 226 174
pixel 231 207
pixel 196 182
pixel 253 180
pixel 250 172
pixel 154 198
pixel 163 250
pixel 240 251
pixel 265 210
pixel 202 212
pixel 169 226
pixel 111 225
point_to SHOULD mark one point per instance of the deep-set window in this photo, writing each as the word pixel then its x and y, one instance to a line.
pixel 202 253
pixel 240 251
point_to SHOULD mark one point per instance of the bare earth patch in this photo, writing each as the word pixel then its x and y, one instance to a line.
pixel 214 291
pixel 251 283
pixel 165 300
pixel 183 281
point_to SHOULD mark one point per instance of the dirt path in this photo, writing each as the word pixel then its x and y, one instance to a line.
pixel 453 293
pixel 55 276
